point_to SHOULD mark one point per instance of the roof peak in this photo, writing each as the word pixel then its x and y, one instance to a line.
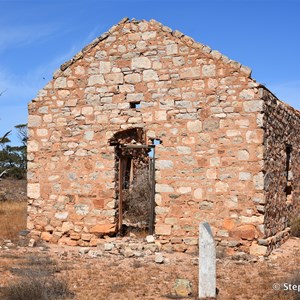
pixel 176 33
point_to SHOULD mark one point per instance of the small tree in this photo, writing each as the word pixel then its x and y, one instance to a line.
pixel 22 133
pixel 13 159
pixel 4 139
pixel 23 137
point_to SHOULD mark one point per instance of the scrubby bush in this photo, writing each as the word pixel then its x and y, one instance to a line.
pixel 37 288
pixel 137 198
pixel 13 159
pixel 37 282
pixel 295 227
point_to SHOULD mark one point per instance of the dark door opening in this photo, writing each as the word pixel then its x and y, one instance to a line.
pixel 135 182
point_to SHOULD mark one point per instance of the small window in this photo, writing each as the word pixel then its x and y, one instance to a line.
pixel 288 171
pixel 154 142
pixel 135 104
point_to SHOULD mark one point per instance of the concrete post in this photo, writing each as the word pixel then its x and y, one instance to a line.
pixel 207 262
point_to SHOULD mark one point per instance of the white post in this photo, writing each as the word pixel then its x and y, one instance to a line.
pixel 207 262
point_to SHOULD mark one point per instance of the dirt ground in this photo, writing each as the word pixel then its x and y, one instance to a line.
pixel 109 276
pixel 94 274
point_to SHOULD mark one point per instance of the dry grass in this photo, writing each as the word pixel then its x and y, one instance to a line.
pixel 12 219
pixel 138 198
pixel 37 280
pixel 295 227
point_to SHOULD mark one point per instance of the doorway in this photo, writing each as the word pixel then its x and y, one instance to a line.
pixel 134 182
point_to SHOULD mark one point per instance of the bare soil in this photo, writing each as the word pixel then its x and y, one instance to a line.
pixel 99 275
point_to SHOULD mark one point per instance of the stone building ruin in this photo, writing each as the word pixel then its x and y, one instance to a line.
pixel 217 145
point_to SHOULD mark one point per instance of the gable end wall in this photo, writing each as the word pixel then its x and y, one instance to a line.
pixel 205 109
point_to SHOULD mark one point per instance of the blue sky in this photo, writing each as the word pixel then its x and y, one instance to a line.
pixel 37 36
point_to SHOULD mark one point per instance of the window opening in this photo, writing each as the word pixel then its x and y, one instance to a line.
pixel 155 142
pixel 135 104
pixel 288 172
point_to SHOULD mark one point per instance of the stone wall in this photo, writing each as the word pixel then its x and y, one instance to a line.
pixel 281 169
pixel 205 109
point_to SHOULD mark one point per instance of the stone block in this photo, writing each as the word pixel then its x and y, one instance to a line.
pixel 194 126
pixel 171 221
pixel 232 132
pixel 132 78
pixel 135 97
pixel 247 94
pixel 162 229
pixel 182 288
pixel 211 125
pixel 81 209
pixel 95 80
pixel 221 186
pixel 243 155
pixel 87 110
pixel 244 232
pixel 41 132
pixel 164 164
pixel 161 115
pixel 172 49
pixel 253 106
pixel 46 236
pixel 198 193
pixel 245 176
pixel 114 78
pixel 190 241
pixel 150 75
pixel 86 237
pixel 105 67
pixel 184 190
pixel 258 250
pixel 141 63
pixel 163 188
pixel 34 121
pixel 150 239
pixel 183 150
pixel 60 83
pixel 32 146
pixel 67 226
pixel 148 35
pixel 161 210
pixel 103 228
pixel 255 136
pixel 159 258
pixel 33 190
pixel 259 181
pixel 75 236
pixel 190 73
pixel 252 219
pixel 228 224
pixel 178 61
pixel 61 215
pixel 89 135
pixel 79 70
pixel 208 70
